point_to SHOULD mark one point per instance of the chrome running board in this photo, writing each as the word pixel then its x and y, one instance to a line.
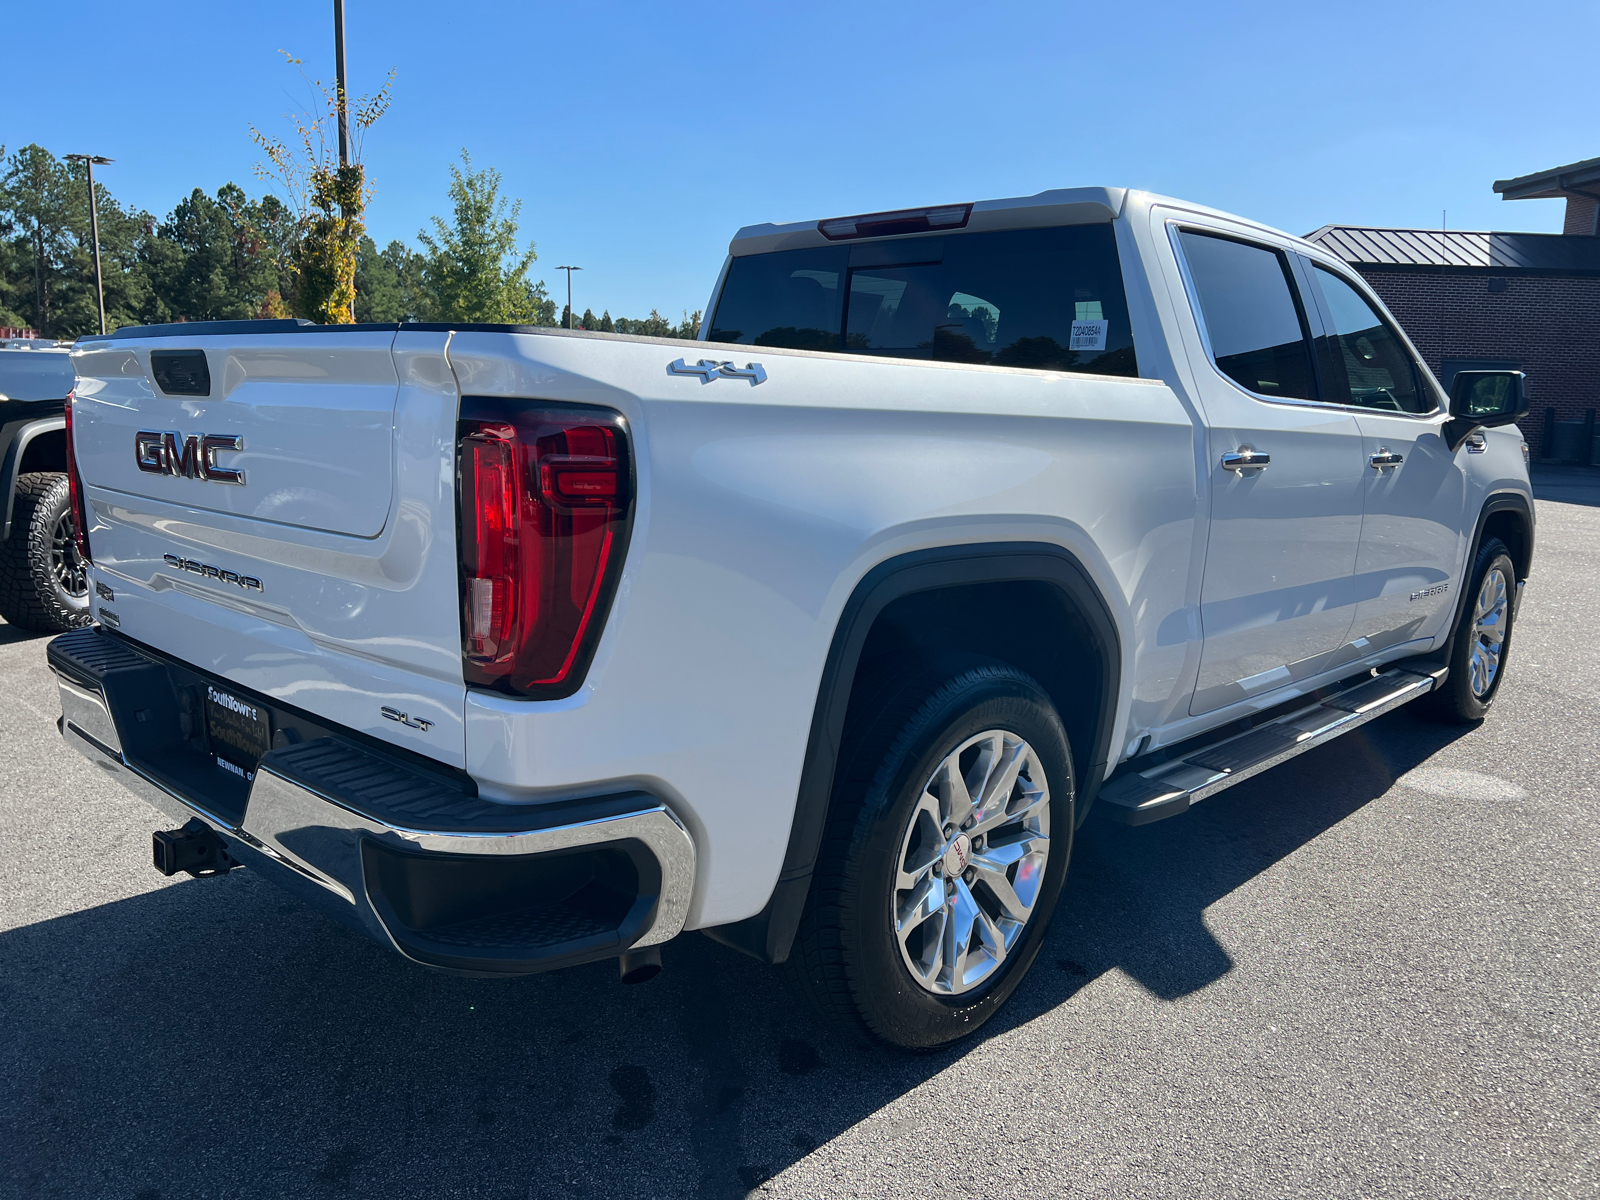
pixel 1187 777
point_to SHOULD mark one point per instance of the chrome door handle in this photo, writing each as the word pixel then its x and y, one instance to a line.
pixel 1385 458
pixel 1245 458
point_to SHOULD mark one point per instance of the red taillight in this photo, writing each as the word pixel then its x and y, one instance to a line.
pixel 80 510
pixel 544 496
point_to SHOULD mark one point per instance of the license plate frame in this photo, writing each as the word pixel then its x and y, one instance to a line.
pixel 239 731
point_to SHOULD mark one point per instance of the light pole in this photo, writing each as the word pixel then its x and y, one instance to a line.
pixel 569 271
pixel 89 162
pixel 343 99
pixel 338 72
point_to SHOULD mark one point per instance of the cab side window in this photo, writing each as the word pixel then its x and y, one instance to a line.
pixel 1363 361
pixel 1258 333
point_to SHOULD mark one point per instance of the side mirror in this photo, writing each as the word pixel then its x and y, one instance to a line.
pixel 1483 400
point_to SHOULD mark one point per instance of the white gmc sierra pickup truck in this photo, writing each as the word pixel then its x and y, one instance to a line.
pixel 516 648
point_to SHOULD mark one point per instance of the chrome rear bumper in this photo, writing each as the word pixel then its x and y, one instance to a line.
pixel 362 827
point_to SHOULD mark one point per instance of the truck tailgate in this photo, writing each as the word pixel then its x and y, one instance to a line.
pixel 280 510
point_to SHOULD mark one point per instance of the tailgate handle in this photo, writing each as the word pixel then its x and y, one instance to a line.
pixel 181 372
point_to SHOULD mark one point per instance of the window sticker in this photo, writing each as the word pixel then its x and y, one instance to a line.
pixel 1089 335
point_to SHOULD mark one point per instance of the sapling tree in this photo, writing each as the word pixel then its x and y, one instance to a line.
pixel 329 198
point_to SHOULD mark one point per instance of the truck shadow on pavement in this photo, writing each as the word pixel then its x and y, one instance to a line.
pixel 10 634
pixel 215 1037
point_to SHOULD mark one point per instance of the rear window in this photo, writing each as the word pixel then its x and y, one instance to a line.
pixel 1051 299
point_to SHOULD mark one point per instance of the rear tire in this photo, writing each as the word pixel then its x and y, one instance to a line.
pixel 1481 642
pixel 43 582
pixel 925 911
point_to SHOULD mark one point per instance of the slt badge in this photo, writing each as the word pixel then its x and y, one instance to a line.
pixel 406 719
pixel 708 370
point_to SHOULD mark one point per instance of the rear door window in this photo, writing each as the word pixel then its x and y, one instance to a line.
pixel 1252 314
pixel 1051 299
pixel 1363 360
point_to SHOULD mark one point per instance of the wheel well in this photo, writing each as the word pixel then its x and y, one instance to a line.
pixel 1030 624
pixel 1511 527
pixel 1029 604
pixel 47 452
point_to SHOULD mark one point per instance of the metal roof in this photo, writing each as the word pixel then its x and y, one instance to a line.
pixel 1582 177
pixel 1552 252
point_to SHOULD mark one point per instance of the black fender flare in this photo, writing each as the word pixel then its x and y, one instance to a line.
pixel 770 933
pixel 1506 501
pixel 13 460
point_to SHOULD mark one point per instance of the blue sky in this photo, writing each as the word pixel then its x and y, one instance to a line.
pixel 639 137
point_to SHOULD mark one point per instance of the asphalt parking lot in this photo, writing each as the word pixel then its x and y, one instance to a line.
pixel 1369 973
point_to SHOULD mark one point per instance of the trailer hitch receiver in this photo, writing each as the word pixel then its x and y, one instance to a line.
pixel 193 848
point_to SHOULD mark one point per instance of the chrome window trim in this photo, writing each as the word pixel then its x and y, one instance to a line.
pixel 1174 228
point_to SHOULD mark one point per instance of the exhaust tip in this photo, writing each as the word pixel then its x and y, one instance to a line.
pixel 640 966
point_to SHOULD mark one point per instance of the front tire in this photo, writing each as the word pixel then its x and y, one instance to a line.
pixel 1482 639
pixel 945 852
pixel 44 583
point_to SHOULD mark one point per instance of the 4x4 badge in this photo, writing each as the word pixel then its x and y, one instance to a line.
pixel 708 370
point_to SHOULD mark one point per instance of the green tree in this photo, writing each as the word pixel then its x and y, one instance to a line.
pixel 474 268
pixel 217 259
pixel 36 194
pixel 47 251
pixel 14 272
pixel 125 281
pixel 655 325
pixel 272 233
pixel 388 282
pixel 378 290
pixel 544 308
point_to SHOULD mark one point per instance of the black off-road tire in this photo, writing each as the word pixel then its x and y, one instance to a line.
pixel 32 594
pixel 1458 701
pixel 846 958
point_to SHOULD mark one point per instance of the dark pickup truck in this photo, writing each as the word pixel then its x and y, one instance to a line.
pixel 43 585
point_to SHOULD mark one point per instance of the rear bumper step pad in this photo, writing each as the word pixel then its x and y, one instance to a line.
pixel 1166 790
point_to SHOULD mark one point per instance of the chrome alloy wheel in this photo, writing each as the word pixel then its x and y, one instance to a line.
pixel 971 862
pixel 66 564
pixel 1489 617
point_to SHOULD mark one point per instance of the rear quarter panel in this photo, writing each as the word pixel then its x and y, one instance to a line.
pixel 759 509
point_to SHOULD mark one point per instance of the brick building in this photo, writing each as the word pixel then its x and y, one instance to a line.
pixel 1529 301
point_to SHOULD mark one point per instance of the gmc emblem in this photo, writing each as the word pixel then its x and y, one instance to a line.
pixel 160 452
